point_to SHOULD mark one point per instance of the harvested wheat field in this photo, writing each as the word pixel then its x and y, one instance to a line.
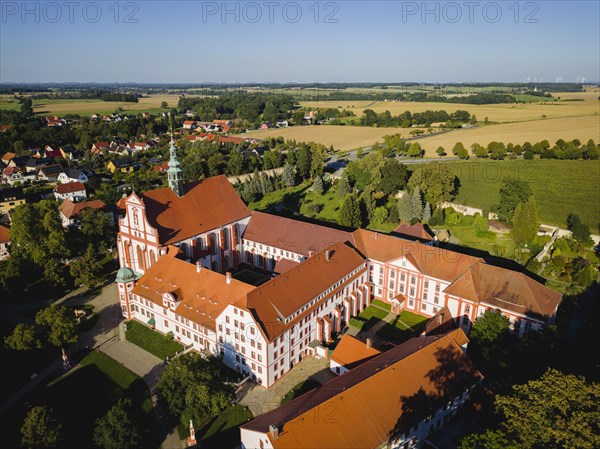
pixel 504 112
pixel 582 128
pixel 341 137
pixel 84 107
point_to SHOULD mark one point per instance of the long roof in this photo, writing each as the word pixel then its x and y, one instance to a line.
pixel 430 260
pixel 293 235
pixel 203 295
pixel 69 187
pixel 206 205
pixel 279 298
pixel 507 289
pixel 379 399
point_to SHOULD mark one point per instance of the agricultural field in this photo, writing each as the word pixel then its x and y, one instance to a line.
pixel 582 128
pixel 559 187
pixel 341 137
pixel 500 113
pixel 85 107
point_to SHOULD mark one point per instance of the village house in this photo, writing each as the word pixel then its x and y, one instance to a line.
pixel 7 157
pixel 34 164
pixel 74 191
pixel 12 176
pixel 394 400
pixel 11 198
pixel 100 148
pixel 70 153
pixel 178 245
pixel 4 242
pixel 70 211
pixel 122 165
pixel 49 173
pixel 72 175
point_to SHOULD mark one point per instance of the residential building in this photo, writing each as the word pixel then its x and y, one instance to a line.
pixel 49 173
pixel 72 175
pixel 4 242
pixel 122 165
pixel 11 198
pixel 7 157
pixel 74 191
pixel 70 211
pixel 394 400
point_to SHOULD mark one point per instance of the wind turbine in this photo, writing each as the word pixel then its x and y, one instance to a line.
pixel 528 79
pixel 559 79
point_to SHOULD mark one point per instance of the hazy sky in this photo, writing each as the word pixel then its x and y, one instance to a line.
pixel 304 41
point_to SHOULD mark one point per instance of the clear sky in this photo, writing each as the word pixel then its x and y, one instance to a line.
pixel 303 41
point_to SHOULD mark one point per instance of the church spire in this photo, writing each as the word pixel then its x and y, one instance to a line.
pixel 174 173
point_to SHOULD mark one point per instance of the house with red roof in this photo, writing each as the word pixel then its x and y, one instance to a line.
pixel 4 242
pixel 74 191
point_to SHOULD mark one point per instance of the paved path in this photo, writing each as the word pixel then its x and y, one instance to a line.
pixel 261 400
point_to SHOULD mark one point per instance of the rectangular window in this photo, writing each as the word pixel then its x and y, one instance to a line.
pixel 227 319
pixel 392 274
pixel 426 285
pixel 237 347
pixel 467 309
pixel 437 287
pixel 260 369
pixel 423 306
pixel 436 300
pixel 235 323
pixel 259 358
pixel 411 303
pixel 252 343
pixel 258 346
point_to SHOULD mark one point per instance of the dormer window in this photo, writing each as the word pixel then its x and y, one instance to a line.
pixel 170 300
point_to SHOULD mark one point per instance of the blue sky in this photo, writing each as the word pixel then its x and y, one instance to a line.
pixel 352 41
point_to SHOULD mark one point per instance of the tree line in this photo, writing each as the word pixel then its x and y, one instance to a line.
pixel 408 119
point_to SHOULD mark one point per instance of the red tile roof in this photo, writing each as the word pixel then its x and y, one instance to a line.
pixel 430 260
pixel 203 295
pixel 293 235
pixel 351 352
pixel 278 299
pixel 381 398
pixel 4 235
pixel 506 289
pixel 70 209
pixel 69 187
pixel 417 231
pixel 206 205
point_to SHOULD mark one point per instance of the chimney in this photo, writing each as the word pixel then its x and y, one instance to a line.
pixel 369 343
pixel 274 431
pixel 311 253
pixel 328 254
pixel 228 274
pixel 198 267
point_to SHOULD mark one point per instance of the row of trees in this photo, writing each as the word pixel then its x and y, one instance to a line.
pixel 562 149
pixel 408 119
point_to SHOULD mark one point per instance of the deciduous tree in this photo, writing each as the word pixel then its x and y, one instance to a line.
pixel 40 428
pixel 117 429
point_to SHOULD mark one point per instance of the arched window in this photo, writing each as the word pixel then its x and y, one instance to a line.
pixel 226 239
pixel 213 243
pixel 140 258
pixel 152 257
pixel 248 257
pixel 199 244
pixel 185 249
pixel 259 261
pixel 227 262
pixel 214 265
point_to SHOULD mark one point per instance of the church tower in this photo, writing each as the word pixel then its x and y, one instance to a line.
pixel 174 173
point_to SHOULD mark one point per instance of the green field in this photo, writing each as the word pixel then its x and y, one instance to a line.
pixel 84 394
pixel 151 341
pixel 559 187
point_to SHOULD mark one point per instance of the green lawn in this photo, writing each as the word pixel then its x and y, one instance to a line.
pixel 153 342
pixel 559 187
pixel 368 317
pixel 221 432
pixel 250 276
pixel 403 327
pixel 299 390
pixel 83 395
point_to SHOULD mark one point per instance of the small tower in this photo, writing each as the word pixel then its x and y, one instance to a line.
pixel 191 441
pixel 174 172
pixel 125 282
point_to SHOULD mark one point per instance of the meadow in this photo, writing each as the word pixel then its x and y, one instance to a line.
pixel 559 187
pixel 86 107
